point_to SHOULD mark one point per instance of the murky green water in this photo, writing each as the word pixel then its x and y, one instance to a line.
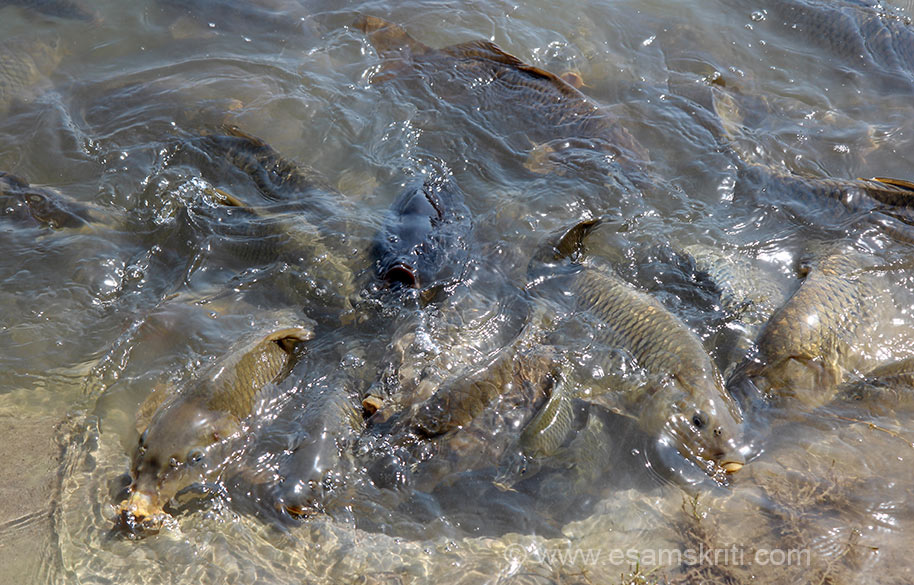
pixel 714 102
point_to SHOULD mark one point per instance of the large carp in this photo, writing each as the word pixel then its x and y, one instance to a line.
pixel 864 35
pixel 810 343
pixel 678 393
pixel 327 427
pixel 542 110
pixel 286 224
pixel 679 398
pixel 424 242
pixel 193 435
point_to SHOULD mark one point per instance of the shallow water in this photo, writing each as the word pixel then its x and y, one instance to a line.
pixel 93 319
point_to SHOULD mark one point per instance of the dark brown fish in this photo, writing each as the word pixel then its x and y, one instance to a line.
pixel 284 224
pixel 44 207
pixel 552 114
pixel 275 176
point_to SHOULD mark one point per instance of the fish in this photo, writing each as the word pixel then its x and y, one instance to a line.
pixel 542 436
pixel 805 349
pixel 425 241
pixel 329 425
pixel 462 398
pixel 188 438
pixel 883 202
pixel 549 113
pixel 284 225
pixel 58 8
pixel 748 293
pixel 243 15
pixel 24 64
pixel 857 32
pixel 680 396
pixel 45 207
pixel 277 178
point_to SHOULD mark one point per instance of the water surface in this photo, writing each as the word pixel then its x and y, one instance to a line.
pixel 93 319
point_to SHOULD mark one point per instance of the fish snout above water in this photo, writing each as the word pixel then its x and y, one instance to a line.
pixel 710 434
pixel 186 443
pixel 424 241
pixel 193 435
pixel 681 395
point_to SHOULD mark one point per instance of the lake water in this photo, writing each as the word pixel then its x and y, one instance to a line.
pixel 713 104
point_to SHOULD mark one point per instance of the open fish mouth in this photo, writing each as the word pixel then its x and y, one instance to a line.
pixel 403 274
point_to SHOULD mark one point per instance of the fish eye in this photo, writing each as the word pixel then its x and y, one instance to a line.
pixel 173 462
pixel 718 432
pixel 194 456
pixel 699 420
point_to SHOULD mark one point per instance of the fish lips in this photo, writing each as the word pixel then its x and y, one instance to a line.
pixel 402 273
pixel 141 515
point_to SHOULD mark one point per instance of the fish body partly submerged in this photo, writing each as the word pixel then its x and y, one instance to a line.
pixel 24 63
pixel 43 206
pixel 58 8
pixel 749 294
pixel 329 423
pixel 424 242
pixel 526 100
pixel 884 390
pixel 808 345
pixel 190 436
pixel 680 394
pixel 284 224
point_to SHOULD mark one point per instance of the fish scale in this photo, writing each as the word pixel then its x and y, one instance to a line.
pixel 234 390
pixel 683 384
pixel 23 64
pixel 810 342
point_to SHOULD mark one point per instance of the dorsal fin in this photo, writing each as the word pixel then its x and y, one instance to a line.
pixel 901 183
pixel 489 51
pixel 389 38
pixel 232 130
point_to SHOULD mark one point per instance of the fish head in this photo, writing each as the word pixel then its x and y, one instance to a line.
pixel 309 474
pixel 314 470
pixel 46 53
pixel 706 426
pixel 179 448
pixel 422 244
